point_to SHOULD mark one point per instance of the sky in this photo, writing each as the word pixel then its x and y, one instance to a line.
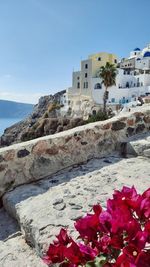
pixel 43 41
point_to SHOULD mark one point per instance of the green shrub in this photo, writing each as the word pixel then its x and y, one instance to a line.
pixel 100 116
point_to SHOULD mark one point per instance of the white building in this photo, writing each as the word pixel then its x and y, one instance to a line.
pixel 132 80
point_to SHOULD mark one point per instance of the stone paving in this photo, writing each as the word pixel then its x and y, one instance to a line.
pixel 42 208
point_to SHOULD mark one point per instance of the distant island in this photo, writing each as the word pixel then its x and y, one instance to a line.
pixel 11 109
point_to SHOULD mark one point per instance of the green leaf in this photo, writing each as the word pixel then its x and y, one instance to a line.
pixel 98 262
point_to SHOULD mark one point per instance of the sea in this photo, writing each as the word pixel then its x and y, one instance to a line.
pixel 7 122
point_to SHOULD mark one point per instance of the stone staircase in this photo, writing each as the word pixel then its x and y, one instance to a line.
pixel 139 146
pixel 37 211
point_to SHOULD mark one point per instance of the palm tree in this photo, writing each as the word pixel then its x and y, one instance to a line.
pixel 108 75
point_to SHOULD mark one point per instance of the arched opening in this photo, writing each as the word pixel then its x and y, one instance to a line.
pixel 98 86
pixel 94 112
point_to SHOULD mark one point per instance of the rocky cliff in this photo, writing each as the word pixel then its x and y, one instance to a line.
pixel 44 120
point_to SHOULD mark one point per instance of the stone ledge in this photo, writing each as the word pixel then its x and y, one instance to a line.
pixel 42 157
pixel 43 208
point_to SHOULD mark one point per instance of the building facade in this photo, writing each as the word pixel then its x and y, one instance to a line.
pixel 132 80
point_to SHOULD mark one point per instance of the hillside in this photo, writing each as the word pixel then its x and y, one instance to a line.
pixel 45 119
pixel 11 109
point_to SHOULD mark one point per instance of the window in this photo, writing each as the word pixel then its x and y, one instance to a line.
pixel 94 112
pixel 113 100
pixel 97 86
pixel 85 85
pixel 86 66
pixel 115 61
pixel 99 59
pixel 86 75
pixel 127 84
pixel 78 78
pixel 78 85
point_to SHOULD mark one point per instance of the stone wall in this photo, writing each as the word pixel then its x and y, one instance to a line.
pixel 42 157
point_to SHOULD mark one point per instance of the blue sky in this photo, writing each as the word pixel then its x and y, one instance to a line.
pixel 42 41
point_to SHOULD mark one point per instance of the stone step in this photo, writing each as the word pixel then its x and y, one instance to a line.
pixel 139 146
pixel 44 207
pixel 8 225
pixel 14 251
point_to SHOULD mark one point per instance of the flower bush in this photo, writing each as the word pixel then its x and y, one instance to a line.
pixel 118 236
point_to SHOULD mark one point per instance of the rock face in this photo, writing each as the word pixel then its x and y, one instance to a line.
pixel 46 108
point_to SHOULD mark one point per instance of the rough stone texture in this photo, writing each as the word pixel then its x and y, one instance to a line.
pixel 139 147
pixel 9 155
pixel 45 156
pixel 130 131
pixel 22 153
pixel 74 191
pixel 147 153
pixel 16 253
pixel 140 128
pixel 118 125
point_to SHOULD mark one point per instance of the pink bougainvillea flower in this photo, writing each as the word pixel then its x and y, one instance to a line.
pixel 131 252
pixel 63 238
pixel 131 228
pixel 144 207
pixel 125 193
pixel 147 229
pixel 55 254
pixel 115 220
pixel 146 193
pixel 121 216
pixel 73 254
pixel 120 235
pixel 88 252
pixel 97 209
pixel 140 239
pixel 123 261
pixel 102 245
pixel 117 241
pixel 143 259
pixel 105 220
pixel 88 225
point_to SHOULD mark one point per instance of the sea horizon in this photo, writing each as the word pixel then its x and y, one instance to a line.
pixel 7 122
